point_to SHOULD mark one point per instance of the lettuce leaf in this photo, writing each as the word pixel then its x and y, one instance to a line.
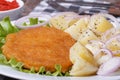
pixel 6 27
pixel 2 32
pixel 19 66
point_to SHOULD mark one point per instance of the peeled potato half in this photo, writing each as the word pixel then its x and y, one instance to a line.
pixel 83 61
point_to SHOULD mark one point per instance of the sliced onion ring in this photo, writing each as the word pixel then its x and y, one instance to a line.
pixel 116 52
pixel 118 39
pixel 110 31
pixel 19 22
pixel 109 67
pixel 111 39
pixel 106 51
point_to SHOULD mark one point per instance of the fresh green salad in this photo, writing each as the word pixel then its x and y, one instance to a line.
pixel 6 28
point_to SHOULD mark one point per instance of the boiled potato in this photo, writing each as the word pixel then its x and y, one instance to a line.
pixel 78 50
pixel 109 34
pixel 86 36
pixel 83 62
pixel 82 68
pixel 100 56
pixel 99 24
pixel 64 20
pixel 76 29
pixel 114 45
pixel 94 47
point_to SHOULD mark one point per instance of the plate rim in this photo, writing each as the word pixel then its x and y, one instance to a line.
pixel 13 73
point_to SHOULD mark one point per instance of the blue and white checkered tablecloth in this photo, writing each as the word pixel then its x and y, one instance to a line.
pixel 44 7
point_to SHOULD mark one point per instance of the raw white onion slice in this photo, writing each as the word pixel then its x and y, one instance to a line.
pixel 116 37
pixel 108 32
pixel 106 51
pixel 116 52
pixel 109 67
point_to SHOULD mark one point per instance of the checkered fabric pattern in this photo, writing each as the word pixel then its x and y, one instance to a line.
pixel 44 7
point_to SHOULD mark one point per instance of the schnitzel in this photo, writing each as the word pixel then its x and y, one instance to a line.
pixel 38 47
pixel 41 46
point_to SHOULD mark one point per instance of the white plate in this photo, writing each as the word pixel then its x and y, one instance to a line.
pixel 9 71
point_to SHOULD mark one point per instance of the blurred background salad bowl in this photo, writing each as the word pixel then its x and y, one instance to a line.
pixel 13 12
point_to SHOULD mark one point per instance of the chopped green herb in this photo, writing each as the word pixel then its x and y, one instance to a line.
pixel 32 21
pixel 48 25
pixel 41 21
pixel 24 24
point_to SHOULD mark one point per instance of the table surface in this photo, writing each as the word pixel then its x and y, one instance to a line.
pixel 29 6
